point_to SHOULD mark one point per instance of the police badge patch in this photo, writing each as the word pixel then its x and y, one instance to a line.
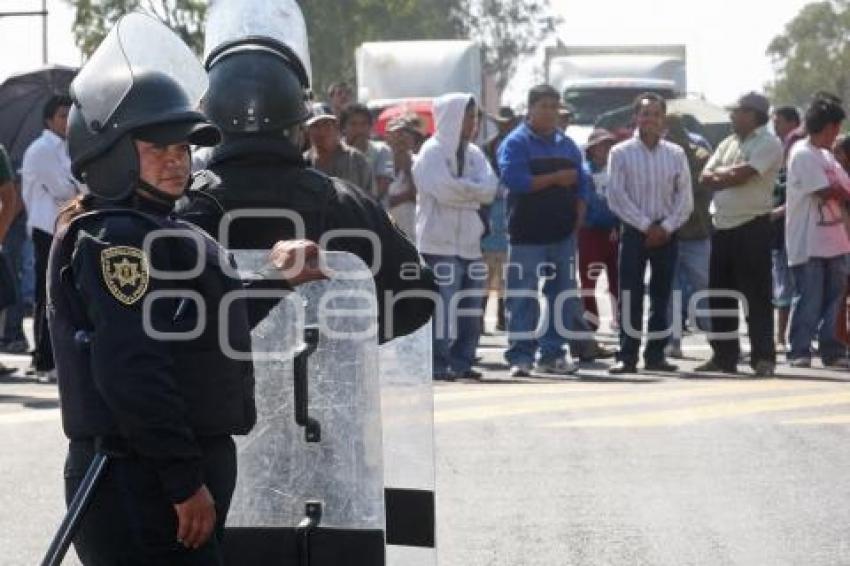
pixel 125 272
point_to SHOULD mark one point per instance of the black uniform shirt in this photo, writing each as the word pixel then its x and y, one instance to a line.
pixel 257 173
pixel 160 395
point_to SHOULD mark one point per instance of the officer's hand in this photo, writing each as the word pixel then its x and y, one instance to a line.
pixel 298 260
pixel 195 518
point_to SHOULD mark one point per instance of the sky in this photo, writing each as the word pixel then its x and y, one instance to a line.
pixel 726 39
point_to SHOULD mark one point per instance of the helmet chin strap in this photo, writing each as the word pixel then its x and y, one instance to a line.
pixel 157 194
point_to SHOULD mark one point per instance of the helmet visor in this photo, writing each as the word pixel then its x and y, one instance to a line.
pixel 281 20
pixel 135 45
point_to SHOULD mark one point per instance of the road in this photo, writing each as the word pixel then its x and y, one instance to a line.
pixel 645 470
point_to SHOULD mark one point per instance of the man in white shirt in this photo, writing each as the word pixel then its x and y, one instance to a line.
pixel 816 236
pixel 453 180
pixel 650 191
pixel 47 186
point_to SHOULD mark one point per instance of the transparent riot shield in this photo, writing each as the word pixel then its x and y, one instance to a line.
pixel 310 475
pixel 407 407
pixel 231 21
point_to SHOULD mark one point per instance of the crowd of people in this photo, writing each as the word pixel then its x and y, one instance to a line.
pixel 756 226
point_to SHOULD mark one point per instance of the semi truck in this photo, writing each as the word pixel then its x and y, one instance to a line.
pixel 596 79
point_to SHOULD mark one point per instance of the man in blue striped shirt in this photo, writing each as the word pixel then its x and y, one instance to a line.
pixel 650 191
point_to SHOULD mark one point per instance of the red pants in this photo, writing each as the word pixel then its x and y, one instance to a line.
pixel 597 252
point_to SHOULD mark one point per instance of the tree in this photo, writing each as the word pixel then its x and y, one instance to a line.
pixel 508 29
pixel 94 19
pixel 337 28
pixel 812 54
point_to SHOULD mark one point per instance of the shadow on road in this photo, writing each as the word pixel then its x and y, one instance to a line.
pixel 30 402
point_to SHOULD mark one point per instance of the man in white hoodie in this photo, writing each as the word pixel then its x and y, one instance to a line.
pixel 454 179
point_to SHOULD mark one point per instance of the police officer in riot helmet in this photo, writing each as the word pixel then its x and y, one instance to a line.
pixel 143 378
pixel 258 97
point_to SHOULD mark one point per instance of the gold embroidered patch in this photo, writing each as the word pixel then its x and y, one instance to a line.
pixel 125 272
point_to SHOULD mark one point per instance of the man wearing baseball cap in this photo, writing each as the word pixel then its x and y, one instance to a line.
pixel 331 155
pixel 742 173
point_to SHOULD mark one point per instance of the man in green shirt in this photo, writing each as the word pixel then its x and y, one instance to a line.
pixel 742 172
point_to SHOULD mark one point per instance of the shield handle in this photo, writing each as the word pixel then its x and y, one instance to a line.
pixel 312 428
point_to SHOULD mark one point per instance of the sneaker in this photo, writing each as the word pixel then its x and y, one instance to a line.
pixel 558 366
pixel 621 368
pixel 764 368
pixel 837 363
pixel 598 352
pixel 801 362
pixel 445 377
pixel 713 367
pixel 470 374
pixel 662 365
pixel 47 376
pixel 674 351
pixel 521 370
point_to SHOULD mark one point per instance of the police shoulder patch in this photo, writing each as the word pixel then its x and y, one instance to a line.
pixel 125 273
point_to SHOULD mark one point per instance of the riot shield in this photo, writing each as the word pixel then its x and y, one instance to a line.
pixel 407 407
pixel 230 22
pixel 310 476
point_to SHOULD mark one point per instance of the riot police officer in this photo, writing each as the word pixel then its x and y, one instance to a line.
pixel 259 85
pixel 134 310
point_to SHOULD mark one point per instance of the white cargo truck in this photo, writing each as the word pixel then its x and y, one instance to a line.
pixel 399 72
pixel 596 79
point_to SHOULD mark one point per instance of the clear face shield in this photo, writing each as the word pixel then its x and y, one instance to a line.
pixel 280 21
pixel 137 45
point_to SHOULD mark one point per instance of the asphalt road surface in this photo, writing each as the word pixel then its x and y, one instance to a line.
pixel 642 470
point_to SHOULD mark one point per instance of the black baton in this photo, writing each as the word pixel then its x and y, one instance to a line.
pixel 76 511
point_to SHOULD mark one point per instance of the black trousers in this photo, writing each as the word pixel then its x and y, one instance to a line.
pixel 633 258
pixel 132 523
pixel 42 358
pixel 741 263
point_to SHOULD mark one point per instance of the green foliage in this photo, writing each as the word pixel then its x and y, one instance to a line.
pixel 94 19
pixel 812 54
pixel 508 29
pixel 336 29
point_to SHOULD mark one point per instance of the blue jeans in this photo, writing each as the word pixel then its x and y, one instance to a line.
pixel 819 286
pixel 527 329
pixel 783 283
pixel 457 319
pixel 634 257
pixel 13 247
pixel 690 276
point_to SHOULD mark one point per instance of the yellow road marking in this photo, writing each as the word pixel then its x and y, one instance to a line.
pixel 499 391
pixel 642 397
pixel 725 410
pixel 826 419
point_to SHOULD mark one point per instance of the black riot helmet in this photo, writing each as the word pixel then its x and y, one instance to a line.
pixel 142 81
pixel 258 59
pixel 257 86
